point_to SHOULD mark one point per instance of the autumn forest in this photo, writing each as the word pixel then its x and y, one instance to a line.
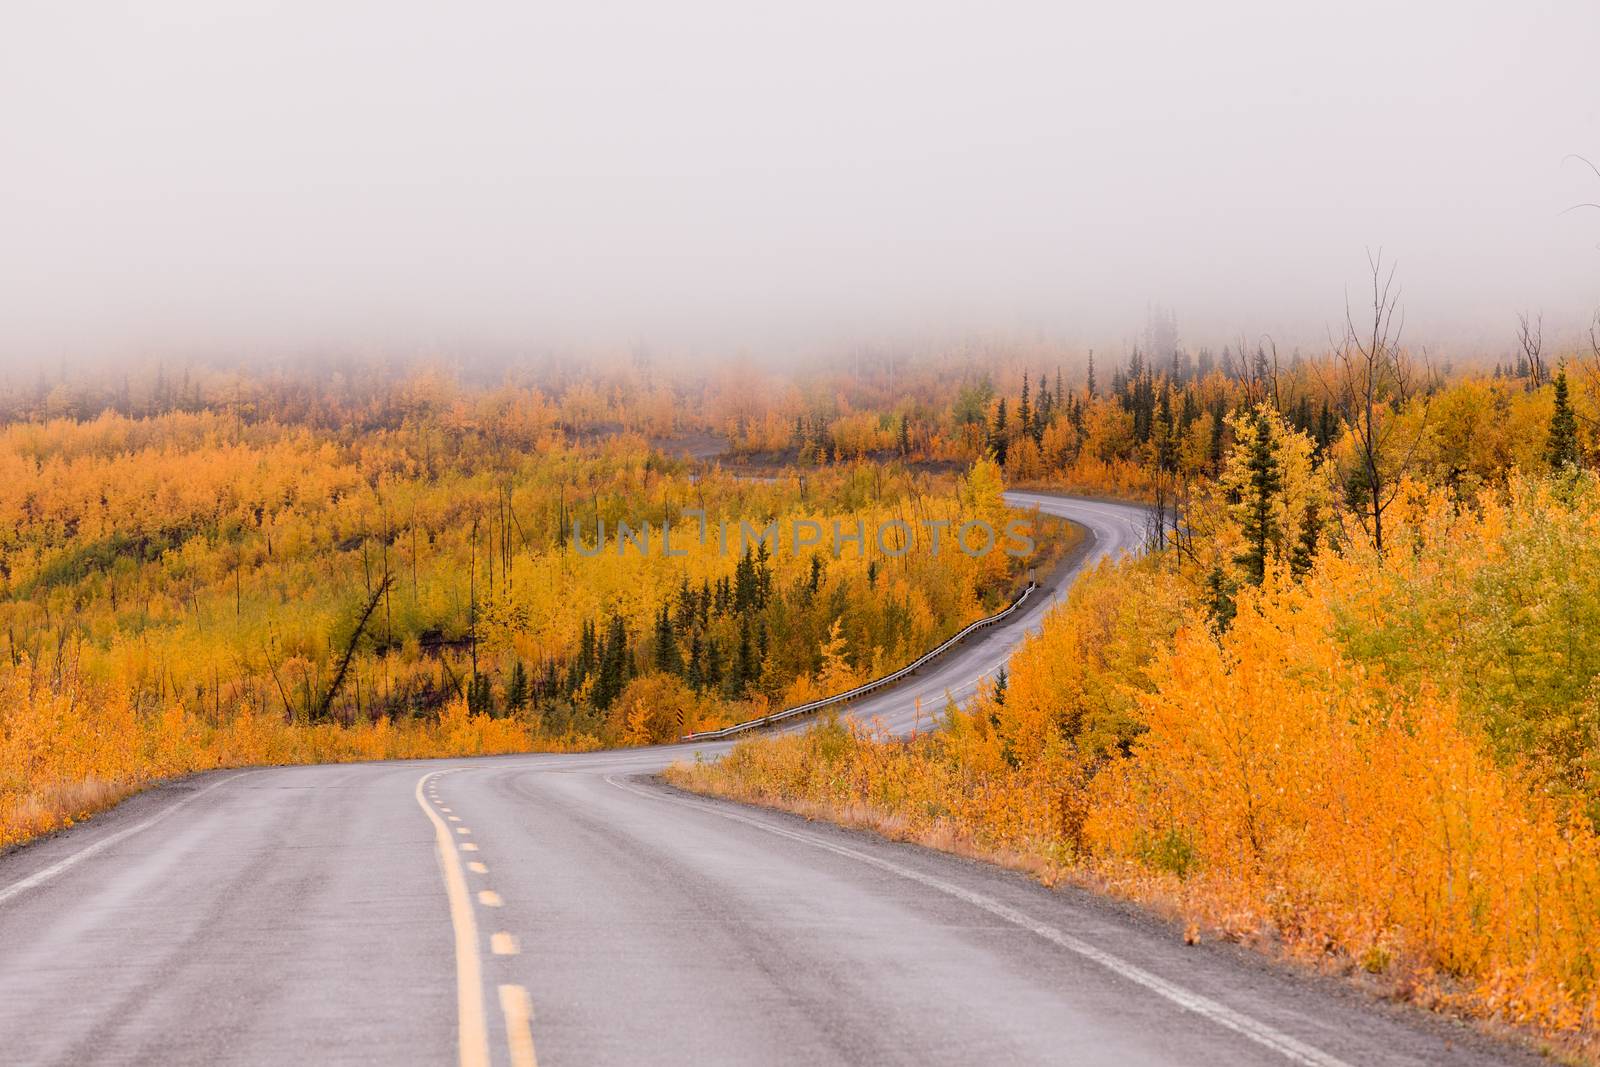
pixel 1345 702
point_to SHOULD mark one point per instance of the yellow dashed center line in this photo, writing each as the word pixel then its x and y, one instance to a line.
pixel 518 1009
pixel 515 1004
pixel 472 1040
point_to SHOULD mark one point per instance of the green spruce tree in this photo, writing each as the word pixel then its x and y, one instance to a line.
pixel 1259 521
pixel 612 675
pixel 1561 450
pixel 695 673
pixel 668 659
pixel 517 686
pixel 998 434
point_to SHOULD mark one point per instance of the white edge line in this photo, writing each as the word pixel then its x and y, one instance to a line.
pixel 1290 1047
pixel 45 874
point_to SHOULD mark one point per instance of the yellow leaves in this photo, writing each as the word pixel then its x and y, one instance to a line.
pixel 71 749
pixel 858 434
pixel 981 492
pixel 835 675
pixel 1303 492
pixel 1346 811
pixel 636 728
pixel 1023 461
pixel 803 690
pixel 1316 774
pixel 655 708
pixel 195 557
pixel 1075 680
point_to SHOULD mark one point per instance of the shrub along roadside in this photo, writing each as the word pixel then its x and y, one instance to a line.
pixel 69 748
pixel 1309 779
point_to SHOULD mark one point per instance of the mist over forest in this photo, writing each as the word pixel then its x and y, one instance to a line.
pixel 702 182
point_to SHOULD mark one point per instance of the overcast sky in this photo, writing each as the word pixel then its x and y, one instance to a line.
pixel 253 176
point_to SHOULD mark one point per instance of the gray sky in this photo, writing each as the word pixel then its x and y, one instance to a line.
pixel 255 176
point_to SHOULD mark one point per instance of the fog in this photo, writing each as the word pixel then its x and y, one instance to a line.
pixel 250 177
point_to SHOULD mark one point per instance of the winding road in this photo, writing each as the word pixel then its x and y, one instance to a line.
pixel 570 910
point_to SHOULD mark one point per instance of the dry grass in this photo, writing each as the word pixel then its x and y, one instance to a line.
pixel 1191 917
pixel 58 805
pixel 1312 782
pixel 69 748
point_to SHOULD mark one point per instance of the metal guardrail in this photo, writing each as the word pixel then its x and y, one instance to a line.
pixel 862 690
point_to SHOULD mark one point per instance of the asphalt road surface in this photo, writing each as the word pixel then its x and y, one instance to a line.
pixel 569 910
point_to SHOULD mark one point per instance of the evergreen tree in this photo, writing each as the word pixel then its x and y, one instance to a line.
pixel 1222 605
pixel 1024 411
pixel 687 606
pixel 549 683
pixel 694 674
pixel 517 687
pixel 905 434
pixel 713 669
pixel 1305 548
pixel 480 695
pixel 668 659
pixel 1165 433
pixel 1044 413
pixel 746 593
pixel 1259 523
pixel 1142 402
pixel 763 575
pixel 1190 412
pixel 1561 451
pixel 1327 427
pixel 742 671
pixel 1219 425
pixel 583 664
pixel 997 435
pixel 1091 373
pixel 612 674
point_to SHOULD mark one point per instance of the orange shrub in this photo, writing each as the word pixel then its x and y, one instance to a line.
pixel 69 747
pixel 1387 765
pixel 1281 786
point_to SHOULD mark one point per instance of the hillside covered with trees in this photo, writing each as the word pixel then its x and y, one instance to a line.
pixel 1347 708
pixel 251 571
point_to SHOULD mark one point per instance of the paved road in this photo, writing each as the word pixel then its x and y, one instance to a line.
pixel 566 909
